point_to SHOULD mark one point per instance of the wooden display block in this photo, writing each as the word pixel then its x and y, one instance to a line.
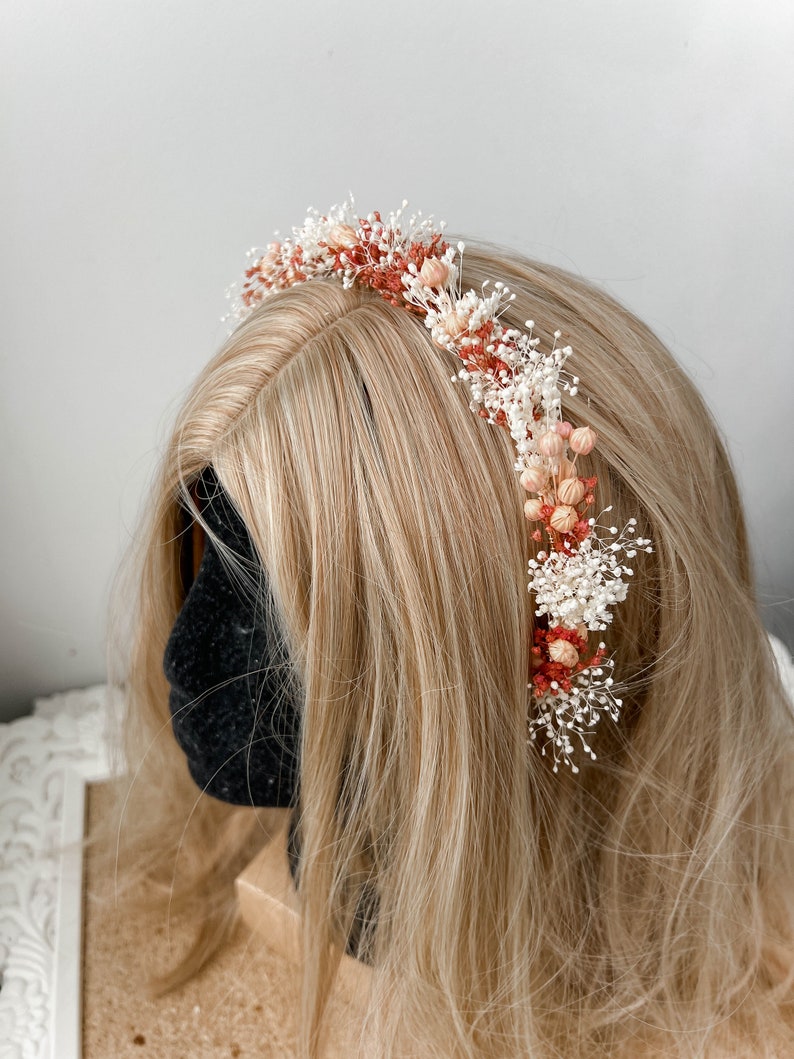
pixel 269 907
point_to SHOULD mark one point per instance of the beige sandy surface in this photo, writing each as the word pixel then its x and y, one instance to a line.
pixel 242 1004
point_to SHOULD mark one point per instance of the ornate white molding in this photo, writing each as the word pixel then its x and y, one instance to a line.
pixel 45 762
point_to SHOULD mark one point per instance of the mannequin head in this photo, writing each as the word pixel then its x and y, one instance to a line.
pixel 386 521
pixel 238 732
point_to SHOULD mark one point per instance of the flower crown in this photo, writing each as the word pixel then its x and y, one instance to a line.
pixel 579 577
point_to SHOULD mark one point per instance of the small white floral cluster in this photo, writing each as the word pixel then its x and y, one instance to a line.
pixel 452 317
pixel 575 713
pixel 581 587
pixel 527 380
pixel 578 590
pixel 514 385
pixel 275 262
pixel 535 383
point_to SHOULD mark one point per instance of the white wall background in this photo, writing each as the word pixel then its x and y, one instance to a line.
pixel 146 145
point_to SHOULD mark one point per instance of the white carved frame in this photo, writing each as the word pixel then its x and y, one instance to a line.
pixel 46 761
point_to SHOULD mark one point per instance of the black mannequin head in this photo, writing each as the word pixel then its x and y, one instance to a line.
pixel 226 665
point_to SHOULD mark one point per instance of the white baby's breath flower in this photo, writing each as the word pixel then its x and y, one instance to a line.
pixel 582 587
pixel 575 713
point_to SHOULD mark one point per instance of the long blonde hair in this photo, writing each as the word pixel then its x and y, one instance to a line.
pixel 641 907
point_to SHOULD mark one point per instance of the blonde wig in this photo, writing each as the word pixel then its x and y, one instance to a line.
pixel 642 907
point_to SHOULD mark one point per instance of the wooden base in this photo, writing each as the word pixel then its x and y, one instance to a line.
pixel 269 906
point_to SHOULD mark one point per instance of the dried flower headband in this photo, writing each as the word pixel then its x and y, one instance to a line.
pixel 580 577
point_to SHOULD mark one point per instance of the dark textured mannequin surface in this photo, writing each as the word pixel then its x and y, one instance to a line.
pixel 226 669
